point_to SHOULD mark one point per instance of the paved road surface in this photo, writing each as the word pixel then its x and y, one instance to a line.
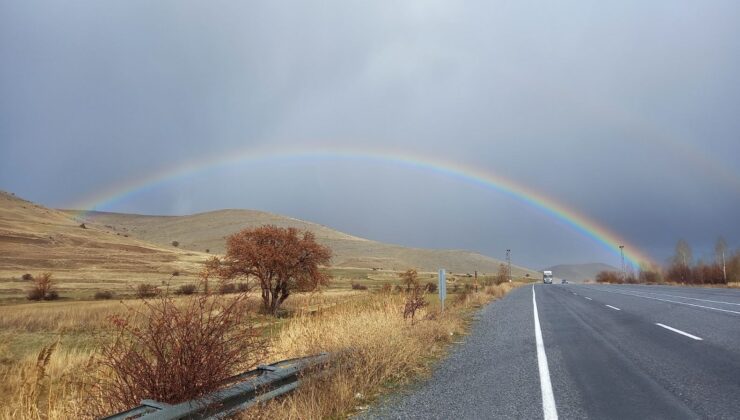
pixel 620 352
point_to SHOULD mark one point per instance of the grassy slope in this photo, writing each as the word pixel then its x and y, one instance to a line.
pixel 207 231
pixel 36 239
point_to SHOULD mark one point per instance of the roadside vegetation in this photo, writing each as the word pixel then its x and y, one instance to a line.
pixel 83 359
pixel 722 270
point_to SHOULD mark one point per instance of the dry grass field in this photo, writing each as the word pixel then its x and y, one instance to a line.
pixel 46 347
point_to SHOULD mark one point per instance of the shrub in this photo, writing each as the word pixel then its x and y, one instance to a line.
pixel 414 301
pixel 42 288
pixel 207 250
pixel 175 273
pixel 146 290
pixel 398 288
pixel 27 277
pixel 82 225
pixel 174 351
pixel 104 295
pixel 431 287
pixel 175 243
pixel 34 294
pixel 609 277
pixel 409 278
pixel 386 288
pixel 358 286
pixel 186 289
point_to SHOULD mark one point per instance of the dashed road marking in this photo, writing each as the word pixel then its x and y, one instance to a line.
pixel 613 307
pixel 678 331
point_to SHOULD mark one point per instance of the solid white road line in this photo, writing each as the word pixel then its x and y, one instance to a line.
pixel 549 409
pixel 678 331
pixel 673 301
pixel 614 307
pixel 588 298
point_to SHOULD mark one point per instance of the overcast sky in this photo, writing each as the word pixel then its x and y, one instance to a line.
pixel 628 111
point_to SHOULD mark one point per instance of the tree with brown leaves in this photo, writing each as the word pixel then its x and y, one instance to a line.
pixel 280 259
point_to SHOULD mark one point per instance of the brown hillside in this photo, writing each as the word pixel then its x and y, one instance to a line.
pixel 35 239
pixel 206 231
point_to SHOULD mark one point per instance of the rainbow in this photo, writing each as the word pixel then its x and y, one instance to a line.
pixel 469 174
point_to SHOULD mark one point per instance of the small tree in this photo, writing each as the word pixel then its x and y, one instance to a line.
pixel 42 288
pixel 281 259
pixel 410 278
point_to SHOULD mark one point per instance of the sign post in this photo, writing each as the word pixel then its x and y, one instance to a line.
pixel 442 288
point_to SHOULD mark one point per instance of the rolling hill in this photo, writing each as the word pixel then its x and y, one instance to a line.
pixel 207 231
pixel 579 272
pixel 36 239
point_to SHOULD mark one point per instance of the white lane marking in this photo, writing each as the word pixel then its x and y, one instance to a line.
pixel 549 409
pixel 682 297
pixel 588 298
pixel 678 331
pixel 673 301
pixel 614 307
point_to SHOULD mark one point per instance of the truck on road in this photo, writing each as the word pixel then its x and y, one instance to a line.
pixel 547 277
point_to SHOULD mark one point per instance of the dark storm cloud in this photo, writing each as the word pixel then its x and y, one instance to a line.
pixel 625 111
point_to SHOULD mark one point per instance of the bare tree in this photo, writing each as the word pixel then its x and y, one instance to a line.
pixel 280 259
pixel 720 251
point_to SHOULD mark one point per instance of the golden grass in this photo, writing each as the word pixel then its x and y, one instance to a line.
pixel 374 350
pixel 45 349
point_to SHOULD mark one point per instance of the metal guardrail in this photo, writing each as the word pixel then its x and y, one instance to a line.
pixel 246 389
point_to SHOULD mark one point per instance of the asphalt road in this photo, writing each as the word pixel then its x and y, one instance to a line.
pixel 606 352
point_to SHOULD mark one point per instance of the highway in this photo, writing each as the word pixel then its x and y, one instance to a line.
pixel 602 352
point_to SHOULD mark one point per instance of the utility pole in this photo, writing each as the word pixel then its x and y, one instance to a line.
pixel 508 263
pixel 624 271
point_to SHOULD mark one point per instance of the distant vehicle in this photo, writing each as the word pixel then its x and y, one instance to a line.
pixel 547 277
pixel 564 281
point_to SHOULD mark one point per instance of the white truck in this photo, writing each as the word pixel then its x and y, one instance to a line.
pixel 547 277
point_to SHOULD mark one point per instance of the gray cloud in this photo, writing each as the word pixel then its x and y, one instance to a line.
pixel 624 111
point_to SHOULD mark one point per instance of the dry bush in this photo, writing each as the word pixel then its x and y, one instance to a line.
pixel 186 289
pixel 104 295
pixel 42 288
pixel 611 277
pixel 146 290
pixel 27 277
pixel 175 243
pixel 172 351
pixel 386 288
pixel 649 276
pixel 414 301
pixel 410 278
pixel 430 287
pixel 358 286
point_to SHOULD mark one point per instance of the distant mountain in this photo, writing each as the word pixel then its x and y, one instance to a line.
pixel 579 273
pixel 207 231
